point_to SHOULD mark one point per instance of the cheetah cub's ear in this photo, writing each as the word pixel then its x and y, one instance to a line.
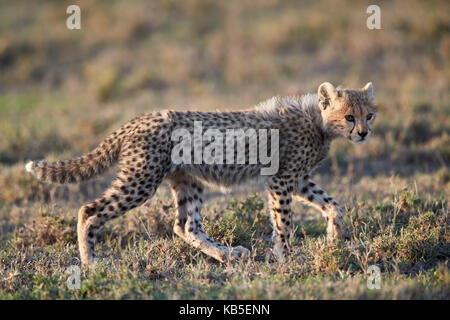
pixel 368 88
pixel 326 92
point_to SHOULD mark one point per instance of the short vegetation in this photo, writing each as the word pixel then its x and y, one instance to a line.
pixel 62 92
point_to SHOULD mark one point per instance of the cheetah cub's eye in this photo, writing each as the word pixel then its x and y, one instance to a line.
pixel 369 116
pixel 350 118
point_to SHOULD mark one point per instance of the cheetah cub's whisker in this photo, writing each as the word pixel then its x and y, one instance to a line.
pixel 305 126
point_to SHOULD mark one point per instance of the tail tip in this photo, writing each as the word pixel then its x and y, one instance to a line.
pixel 29 166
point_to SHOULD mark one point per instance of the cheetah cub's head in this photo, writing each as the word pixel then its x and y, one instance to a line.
pixel 348 112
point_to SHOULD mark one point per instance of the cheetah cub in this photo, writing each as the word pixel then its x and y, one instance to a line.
pixel 148 150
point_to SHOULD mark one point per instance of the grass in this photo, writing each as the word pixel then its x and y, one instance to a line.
pixel 405 232
pixel 62 92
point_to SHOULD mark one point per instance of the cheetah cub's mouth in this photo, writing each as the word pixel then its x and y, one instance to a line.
pixel 360 140
pixel 348 113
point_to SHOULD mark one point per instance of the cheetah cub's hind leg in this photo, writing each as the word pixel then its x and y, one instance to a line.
pixel 116 201
pixel 188 223
pixel 138 178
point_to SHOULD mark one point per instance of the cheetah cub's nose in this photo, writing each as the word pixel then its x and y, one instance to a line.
pixel 362 134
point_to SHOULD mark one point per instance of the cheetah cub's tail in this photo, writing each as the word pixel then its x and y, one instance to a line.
pixel 81 168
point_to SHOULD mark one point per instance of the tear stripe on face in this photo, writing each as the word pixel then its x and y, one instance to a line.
pixel 354 125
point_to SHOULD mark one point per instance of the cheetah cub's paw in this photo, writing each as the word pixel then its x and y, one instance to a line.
pixel 96 263
pixel 91 264
pixel 239 252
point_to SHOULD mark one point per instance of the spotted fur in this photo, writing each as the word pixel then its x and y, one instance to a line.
pixel 143 147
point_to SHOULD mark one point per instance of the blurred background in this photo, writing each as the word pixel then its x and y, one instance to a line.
pixel 62 91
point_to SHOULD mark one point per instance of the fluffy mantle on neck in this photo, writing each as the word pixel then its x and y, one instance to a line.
pixel 305 106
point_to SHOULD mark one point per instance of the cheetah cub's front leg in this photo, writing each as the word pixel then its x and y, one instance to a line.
pixel 311 194
pixel 188 223
pixel 280 198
